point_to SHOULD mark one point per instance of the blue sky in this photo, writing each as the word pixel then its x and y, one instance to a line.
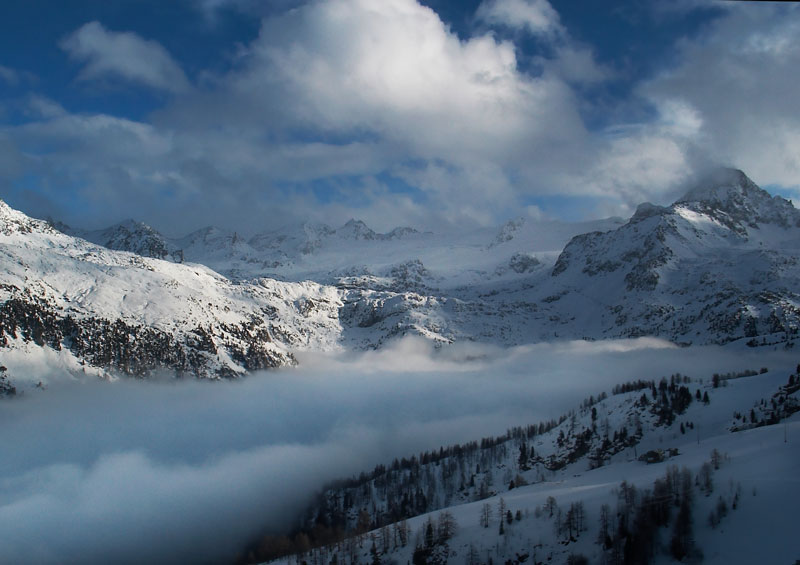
pixel 249 114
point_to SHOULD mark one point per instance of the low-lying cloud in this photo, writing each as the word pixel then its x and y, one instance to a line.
pixel 153 472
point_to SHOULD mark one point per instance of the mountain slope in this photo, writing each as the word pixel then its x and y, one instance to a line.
pixel 719 264
pixel 119 311
pixel 663 471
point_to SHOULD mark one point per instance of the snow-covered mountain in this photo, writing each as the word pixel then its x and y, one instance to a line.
pixel 720 264
pixel 96 309
pixel 129 235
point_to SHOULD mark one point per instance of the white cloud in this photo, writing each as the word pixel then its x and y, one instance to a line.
pixel 124 55
pixel 350 91
pixel 395 70
pixel 16 77
pixel 43 107
pixel 374 87
pixel 577 65
pixel 647 162
pixel 535 16
pixel 737 79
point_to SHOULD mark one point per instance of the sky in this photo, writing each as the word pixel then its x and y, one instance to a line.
pixel 250 115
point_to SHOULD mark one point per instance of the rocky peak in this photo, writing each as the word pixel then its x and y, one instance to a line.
pixel 508 231
pixel 723 186
pixel 401 232
pixel 356 229
pixel 133 236
pixel 13 221
pixel 731 197
pixel 647 210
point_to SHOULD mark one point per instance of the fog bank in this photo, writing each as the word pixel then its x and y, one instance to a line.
pixel 176 471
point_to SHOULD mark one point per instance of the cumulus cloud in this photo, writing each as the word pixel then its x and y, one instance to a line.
pixel 393 84
pixel 394 70
pixel 176 472
pixel 338 105
pixel 344 92
pixel 123 55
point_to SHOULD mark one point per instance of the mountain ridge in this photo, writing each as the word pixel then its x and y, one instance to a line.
pixel 691 272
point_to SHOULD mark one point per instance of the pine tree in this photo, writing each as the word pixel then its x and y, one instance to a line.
pixel 523 456
pixel 486 514
pixel 429 537
pixel 376 558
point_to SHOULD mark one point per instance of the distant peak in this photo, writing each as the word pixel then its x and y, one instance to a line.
pixel 401 232
pixel 356 229
pixel 647 210
pixel 133 225
pixel 722 185
pixel 730 196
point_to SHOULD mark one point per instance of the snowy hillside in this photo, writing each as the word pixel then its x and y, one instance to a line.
pixel 673 469
pixel 92 309
pixel 719 264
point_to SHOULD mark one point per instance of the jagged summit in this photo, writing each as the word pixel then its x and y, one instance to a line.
pixel 721 185
pixel 401 232
pixel 647 210
pixel 128 235
pixel 356 229
pixel 729 196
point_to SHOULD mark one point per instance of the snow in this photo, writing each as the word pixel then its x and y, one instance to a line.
pixel 74 277
pixel 762 464
pixel 702 221
pixel 688 273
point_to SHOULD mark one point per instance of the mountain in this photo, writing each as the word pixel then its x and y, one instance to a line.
pixel 129 235
pixel 101 310
pixel 292 242
pixel 720 263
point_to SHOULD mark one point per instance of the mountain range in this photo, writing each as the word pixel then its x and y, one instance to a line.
pixel 718 265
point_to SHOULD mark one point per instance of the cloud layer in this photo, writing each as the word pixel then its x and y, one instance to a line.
pixel 174 472
pixel 341 108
